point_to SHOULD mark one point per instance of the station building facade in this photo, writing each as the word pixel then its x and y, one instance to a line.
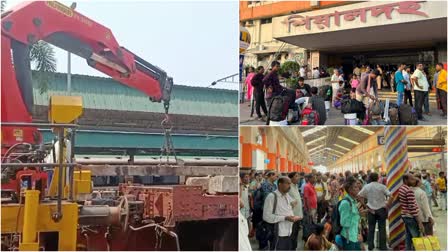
pixel 334 33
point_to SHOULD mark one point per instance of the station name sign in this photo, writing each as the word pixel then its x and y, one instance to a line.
pixel 323 21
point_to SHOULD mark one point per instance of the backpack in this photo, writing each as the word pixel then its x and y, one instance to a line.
pixel 310 117
pixel 293 113
pixel 346 105
pixel 407 115
pixel 336 218
pixel 393 116
pixel 376 108
pixel 325 92
pixel 266 231
pixel 278 108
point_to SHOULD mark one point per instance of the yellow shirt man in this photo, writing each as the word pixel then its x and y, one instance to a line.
pixel 441 80
pixel 441 183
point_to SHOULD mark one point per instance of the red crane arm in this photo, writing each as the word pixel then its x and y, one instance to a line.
pixel 63 27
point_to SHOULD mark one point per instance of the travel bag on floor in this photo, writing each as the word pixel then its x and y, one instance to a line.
pixel 407 115
pixel 278 109
pixel 310 117
pixel 426 243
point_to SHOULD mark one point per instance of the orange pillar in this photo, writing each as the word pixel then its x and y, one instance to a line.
pixel 246 159
pixel 283 165
pixel 271 157
pixel 290 168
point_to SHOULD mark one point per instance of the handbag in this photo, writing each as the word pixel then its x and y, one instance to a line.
pixel 428 243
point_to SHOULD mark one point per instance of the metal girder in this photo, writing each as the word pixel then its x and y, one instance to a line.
pixel 160 170
pixel 426 141
pixel 423 149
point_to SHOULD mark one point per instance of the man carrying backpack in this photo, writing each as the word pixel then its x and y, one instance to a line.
pixel 376 194
pixel 318 104
pixel 260 195
pixel 278 210
pixel 271 81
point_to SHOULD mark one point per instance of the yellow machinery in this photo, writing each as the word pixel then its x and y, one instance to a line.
pixel 57 212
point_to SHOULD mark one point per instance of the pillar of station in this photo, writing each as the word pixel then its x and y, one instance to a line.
pixel 441 53
pixel 397 164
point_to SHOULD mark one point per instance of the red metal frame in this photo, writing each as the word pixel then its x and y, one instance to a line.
pixel 179 203
pixel 36 175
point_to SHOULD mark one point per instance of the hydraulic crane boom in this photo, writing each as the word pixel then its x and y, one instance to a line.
pixel 65 28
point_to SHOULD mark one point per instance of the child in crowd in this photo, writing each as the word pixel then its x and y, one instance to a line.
pixel 355 82
pixel 338 98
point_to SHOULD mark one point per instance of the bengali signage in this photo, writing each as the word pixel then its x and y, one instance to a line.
pixel 325 20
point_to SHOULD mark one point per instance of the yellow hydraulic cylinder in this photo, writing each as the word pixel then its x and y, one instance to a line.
pixel 30 216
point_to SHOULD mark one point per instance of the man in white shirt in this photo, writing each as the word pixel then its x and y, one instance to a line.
pixel 423 205
pixel 298 208
pixel 303 72
pixel 316 73
pixel 244 243
pixel 278 210
pixel 421 86
pixel 376 193
pixel 335 78
pixel 244 191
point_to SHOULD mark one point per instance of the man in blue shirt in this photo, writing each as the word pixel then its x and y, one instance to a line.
pixel 428 189
pixel 400 83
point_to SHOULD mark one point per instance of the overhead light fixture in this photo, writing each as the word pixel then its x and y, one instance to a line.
pixel 363 130
pixel 348 140
pixel 317 152
pixel 314 148
pixel 313 130
pixel 316 140
pixel 334 150
pixel 342 147
pixel 334 153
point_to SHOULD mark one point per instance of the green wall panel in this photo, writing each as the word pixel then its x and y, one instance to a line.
pixel 106 93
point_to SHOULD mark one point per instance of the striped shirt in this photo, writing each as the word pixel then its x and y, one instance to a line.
pixel 409 207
